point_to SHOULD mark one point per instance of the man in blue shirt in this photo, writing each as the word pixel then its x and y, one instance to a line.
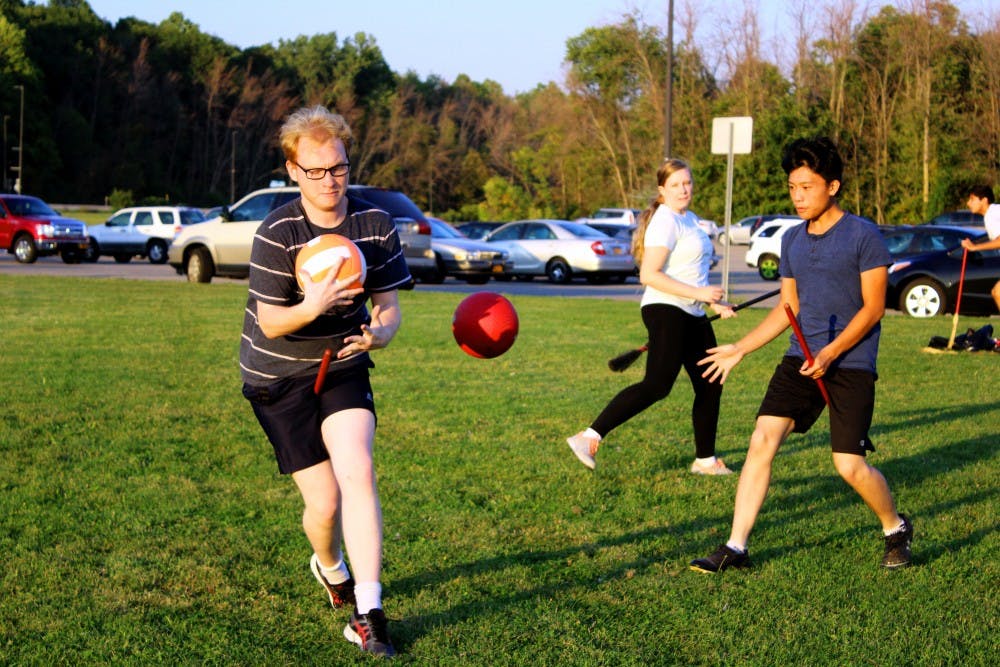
pixel 834 269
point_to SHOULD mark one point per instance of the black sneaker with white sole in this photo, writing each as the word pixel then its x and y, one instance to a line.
pixel 341 594
pixel 370 632
pixel 897 546
pixel 724 557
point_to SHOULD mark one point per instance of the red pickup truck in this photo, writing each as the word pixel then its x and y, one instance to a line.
pixel 30 229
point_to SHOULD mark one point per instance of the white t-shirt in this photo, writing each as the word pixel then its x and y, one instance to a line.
pixel 689 258
pixel 992 220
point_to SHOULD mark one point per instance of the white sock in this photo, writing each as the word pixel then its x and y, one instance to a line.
pixel 591 433
pixel 336 573
pixel 737 547
pixel 706 462
pixel 368 596
pixel 897 529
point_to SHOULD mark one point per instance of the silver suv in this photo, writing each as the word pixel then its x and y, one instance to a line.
pixel 140 230
pixel 221 246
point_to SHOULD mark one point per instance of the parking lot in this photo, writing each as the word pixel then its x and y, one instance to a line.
pixel 744 282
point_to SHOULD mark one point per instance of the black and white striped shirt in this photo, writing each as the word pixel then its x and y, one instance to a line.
pixel 276 245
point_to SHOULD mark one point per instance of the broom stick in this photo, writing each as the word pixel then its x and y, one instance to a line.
pixel 626 359
pixel 958 301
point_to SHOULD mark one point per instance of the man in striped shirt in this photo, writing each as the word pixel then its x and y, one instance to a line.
pixel 323 433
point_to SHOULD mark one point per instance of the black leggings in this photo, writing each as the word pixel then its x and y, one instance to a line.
pixel 676 339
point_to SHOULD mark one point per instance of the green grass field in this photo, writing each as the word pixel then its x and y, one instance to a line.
pixel 143 520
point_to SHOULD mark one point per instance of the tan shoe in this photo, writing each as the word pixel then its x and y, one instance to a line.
pixel 719 468
pixel 585 448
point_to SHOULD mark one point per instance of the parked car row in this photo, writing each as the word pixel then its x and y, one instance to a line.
pixel 923 281
pixel 926 269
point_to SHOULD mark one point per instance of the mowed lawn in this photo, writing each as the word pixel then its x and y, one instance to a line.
pixel 142 519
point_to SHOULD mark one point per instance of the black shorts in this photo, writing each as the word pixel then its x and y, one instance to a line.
pixel 852 403
pixel 292 415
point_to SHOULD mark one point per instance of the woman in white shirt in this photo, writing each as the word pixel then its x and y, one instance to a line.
pixel 674 256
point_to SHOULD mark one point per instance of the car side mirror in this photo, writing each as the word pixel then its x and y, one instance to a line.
pixel 225 215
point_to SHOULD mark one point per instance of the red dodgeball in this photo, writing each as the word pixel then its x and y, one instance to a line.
pixel 485 325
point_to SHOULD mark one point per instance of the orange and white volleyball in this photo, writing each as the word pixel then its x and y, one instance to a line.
pixel 320 254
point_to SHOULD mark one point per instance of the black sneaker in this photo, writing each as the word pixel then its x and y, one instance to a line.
pixel 897 546
pixel 371 632
pixel 341 594
pixel 723 558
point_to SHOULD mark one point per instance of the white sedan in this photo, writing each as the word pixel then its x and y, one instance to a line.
pixel 562 250
pixel 765 246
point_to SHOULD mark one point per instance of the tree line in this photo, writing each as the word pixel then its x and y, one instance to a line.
pixel 164 112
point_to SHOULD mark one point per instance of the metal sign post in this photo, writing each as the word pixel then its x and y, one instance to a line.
pixel 730 136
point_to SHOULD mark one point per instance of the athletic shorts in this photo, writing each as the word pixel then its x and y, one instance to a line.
pixel 291 414
pixel 852 403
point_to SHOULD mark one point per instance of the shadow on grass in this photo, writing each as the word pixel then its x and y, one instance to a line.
pixel 555 581
pixel 820 494
pixel 975 409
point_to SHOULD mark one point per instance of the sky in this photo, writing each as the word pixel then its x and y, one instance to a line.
pixel 517 43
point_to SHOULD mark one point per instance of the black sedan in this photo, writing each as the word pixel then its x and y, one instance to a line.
pixel 927 285
pixel 910 240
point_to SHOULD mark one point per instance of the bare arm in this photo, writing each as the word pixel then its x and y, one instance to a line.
pixel 722 359
pixel 386 318
pixel 650 275
pixel 319 297
pixel 986 245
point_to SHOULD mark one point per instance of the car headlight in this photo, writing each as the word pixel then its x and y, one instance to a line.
pixel 460 256
pixel 46 230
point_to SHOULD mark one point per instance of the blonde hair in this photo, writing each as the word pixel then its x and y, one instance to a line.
pixel 317 122
pixel 670 166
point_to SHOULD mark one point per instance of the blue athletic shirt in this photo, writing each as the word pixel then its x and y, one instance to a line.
pixel 276 245
pixel 827 270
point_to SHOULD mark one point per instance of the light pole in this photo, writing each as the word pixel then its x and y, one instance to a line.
pixel 232 170
pixel 668 138
pixel 3 174
pixel 19 183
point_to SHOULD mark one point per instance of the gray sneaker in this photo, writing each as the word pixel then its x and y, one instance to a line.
pixel 897 546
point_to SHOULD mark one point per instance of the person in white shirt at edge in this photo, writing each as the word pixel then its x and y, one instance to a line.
pixel 981 201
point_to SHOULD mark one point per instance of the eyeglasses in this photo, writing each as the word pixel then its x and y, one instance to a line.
pixel 318 173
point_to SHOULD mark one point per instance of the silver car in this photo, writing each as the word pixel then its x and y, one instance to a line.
pixel 467 259
pixel 563 250
pixel 140 230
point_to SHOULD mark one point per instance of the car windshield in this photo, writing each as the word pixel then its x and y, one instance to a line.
pixel 583 231
pixel 190 216
pixel 29 206
pixel 394 203
pixel 444 231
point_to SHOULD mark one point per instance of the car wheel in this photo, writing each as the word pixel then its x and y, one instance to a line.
pixel 436 275
pixel 93 251
pixel 199 266
pixel 767 267
pixel 558 271
pixel 723 239
pixel 25 250
pixel 157 252
pixel 923 298
pixel 123 258
pixel 71 256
